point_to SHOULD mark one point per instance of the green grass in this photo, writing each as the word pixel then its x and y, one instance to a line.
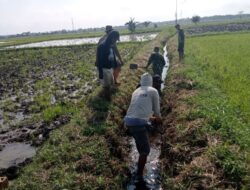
pixel 220 66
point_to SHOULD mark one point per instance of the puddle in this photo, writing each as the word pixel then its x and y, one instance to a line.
pixel 15 154
pixel 79 41
pixel 152 179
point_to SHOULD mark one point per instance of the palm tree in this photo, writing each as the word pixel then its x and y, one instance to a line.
pixel 131 24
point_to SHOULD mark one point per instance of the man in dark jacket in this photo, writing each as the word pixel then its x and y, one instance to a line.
pixel 157 61
pixel 117 69
pixel 181 41
pixel 106 61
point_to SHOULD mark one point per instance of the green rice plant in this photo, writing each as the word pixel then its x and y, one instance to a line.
pixel 51 113
pixel 43 100
pixel 43 84
pixel 220 67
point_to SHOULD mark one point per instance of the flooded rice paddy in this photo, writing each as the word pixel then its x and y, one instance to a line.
pixel 80 41
pixel 39 91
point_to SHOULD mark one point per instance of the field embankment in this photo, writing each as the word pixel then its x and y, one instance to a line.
pixel 206 143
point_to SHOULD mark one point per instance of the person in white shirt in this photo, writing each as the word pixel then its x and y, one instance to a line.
pixel 144 104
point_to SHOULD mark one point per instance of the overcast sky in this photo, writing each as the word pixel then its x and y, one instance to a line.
pixel 17 16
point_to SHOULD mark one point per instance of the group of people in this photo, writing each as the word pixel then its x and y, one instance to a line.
pixel 145 102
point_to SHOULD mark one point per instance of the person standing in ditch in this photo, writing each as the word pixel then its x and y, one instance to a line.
pixel 117 69
pixel 181 41
pixel 106 61
pixel 157 61
pixel 144 104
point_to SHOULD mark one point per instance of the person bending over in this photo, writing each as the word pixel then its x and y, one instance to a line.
pixel 145 103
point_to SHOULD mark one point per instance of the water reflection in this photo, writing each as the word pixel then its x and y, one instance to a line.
pixel 165 69
pixel 79 41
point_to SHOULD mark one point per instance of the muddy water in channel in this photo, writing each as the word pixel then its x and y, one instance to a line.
pixel 152 178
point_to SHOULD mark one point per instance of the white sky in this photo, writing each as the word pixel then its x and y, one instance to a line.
pixel 17 16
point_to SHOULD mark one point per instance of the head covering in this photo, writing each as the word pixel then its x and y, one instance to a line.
pixel 112 35
pixel 146 80
pixel 177 26
pixel 156 49
pixel 108 28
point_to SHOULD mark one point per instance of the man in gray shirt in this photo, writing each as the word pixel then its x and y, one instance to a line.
pixel 145 103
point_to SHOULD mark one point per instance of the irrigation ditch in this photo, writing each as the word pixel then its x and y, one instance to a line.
pixel 152 176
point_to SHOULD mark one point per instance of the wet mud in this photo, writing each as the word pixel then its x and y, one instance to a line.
pixel 34 84
pixel 13 156
pixel 31 83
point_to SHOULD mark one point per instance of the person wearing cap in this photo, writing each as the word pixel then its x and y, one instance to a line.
pixel 117 68
pixel 157 61
pixel 106 61
pixel 181 41
pixel 145 103
pixel 108 29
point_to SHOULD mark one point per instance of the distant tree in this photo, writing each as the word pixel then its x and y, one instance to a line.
pixel 131 25
pixel 146 23
pixel 196 19
pixel 240 13
pixel 155 25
